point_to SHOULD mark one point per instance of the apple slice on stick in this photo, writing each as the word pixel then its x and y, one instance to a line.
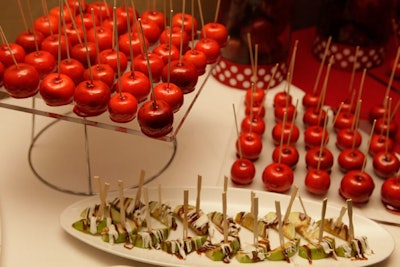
pixel 103 191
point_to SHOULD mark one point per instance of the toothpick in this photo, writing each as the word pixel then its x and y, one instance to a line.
pixel 185 213
pixel 237 131
pixel 289 207
pixel 199 180
pixel 337 113
pixel 182 29
pixel 224 219
pixel 217 11
pixel 201 17
pixel 282 135
pixel 159 196
pixel 321 226
pixel 353 72
pixel 396 61
pixel 226 183
pixel 293 122
pixel 279 217
pixel 146 201
pixel 139 190
pixel 302 206
pixel 350 214
pixel 121 201
pixel 338 221
pixel 321 148
pixel 255 221
pixel 388 123
pixel 326 51
pixel 252 195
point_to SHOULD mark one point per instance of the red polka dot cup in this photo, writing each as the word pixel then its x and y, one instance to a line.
pixel 263 23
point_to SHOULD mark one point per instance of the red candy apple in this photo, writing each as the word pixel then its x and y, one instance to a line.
pixel 197 59
pixel 164 51
pixel 140 63
pixel 317 181
pixel 135 83
pixel 91 98
pixel 46 25
pixel 386 164
pixel 155 118
pixel 183 74
pixel 378 143
pixel 216 31
pixel 43 61
pixel 390 193
pixel 254 95
pixel 314 135
pixel 350 159
pixel 110 57
pixel 282 98
pixel 324 158
pixel 57 89
pixel 279 112
pixel 170 93
pixel 286 154
pixel 188 22
pixel 242 171
pixel 28 40
pixel 122 107
pixel 286 129
pixel 210 48
pixel 155 16
pixel 21 80
pixel 250 145
pixel 314 116
pixel 253 123
pixel 357 185
pixel 310 100
pixel 72 68
pixel 343 120
pixel 347 138
pixel 277 177
pixel 12 50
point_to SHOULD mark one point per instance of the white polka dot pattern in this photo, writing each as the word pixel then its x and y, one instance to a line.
pixel 344 55
pixel 240 76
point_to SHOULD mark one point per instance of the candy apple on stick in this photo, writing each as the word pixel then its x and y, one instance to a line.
pixel 316 115
pixel 312 99
pixel 100 71
pixel 182 73
pixel 168 91
pixel 350 137
pixel 29 38
pixel 155 116
pixel 320 156
pixel 20 80
pixel 57 89
pixel 385 163
pixel 357 185
pixel 390 193
pixel 288 130
pixel 285 152
pixel 379 110
pixel 122 105
pixel 134 82
pixel 242 169
pixel 209 46
pixel 215 30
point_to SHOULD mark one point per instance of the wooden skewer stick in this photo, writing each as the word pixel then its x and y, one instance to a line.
pixel 338 220
pixel 217 11
pixel 199 180
pixel 321 148
pixel 279 217
pixel 146 201
pixel 121 201
pixel 302 206
pixel 355 124
pixel 321 226
pixel 292 123
pixel 326 52
pixel 226 183
pixel 350 214
pixel 337 113
pixel 289 207
pixel 282 135
pixel 321 100
pixel 140 186
pixel 391 78
pixel 159 195
pixel 255 221
pixel 185 213
pixel 388 123
pixel 353 71
pixel 237 132
pixel 252 195
pixel 224 219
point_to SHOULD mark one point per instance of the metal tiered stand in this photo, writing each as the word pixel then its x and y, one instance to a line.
pixel 65 154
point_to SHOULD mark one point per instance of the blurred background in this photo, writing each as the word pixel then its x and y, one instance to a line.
pixel 305 12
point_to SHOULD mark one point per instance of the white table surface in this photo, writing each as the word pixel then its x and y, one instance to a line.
pixel 30 229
